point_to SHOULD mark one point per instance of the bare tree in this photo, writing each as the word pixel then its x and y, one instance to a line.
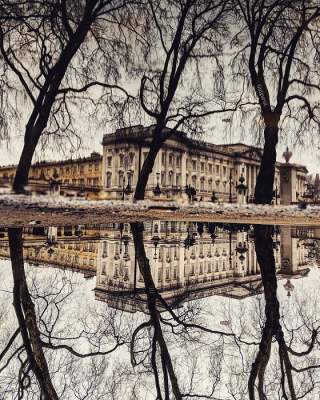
pixel 54 50
pixel 293 363
pixel 278 56
pixel 176 37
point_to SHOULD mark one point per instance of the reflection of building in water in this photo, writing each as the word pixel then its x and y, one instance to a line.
pixel 186 259
pixel 293 252
pixel 219 262
pixel 68 247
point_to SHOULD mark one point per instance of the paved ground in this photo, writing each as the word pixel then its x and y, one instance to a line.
pixel 25 211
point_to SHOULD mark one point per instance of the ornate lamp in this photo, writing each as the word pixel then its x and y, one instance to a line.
pixel 288 287
pixel 287 155
pixel 241 187
pixel 155 240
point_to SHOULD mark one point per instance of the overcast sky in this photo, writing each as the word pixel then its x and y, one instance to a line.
pixel 10 152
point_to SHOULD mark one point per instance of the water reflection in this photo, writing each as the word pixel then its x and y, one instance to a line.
pixel 158 282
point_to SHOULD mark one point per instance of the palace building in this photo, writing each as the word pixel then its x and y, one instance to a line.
pixel 184 169
pixel 74 176
pixel 225 173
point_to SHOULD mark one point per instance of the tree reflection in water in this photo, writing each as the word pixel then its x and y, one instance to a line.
pixel 176 346
pixel 48 356
pixel 292 385
pixel 27 321
pixel 179 325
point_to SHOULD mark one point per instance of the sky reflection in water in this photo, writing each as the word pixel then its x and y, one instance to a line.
pixel 160 310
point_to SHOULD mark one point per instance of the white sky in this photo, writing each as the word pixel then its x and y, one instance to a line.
pixel 10 152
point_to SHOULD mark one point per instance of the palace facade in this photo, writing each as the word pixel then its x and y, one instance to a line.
pixel 183 168
pixel 73 176
pixel 225 172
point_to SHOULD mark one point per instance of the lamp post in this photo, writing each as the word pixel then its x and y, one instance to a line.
pixel 242 249
pixel 126 190
pixel 189 240
pixel 155 240
pixel 241 187
pixel 288 287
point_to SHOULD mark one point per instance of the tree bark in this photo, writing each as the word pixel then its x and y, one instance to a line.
pixel 148 165
pixel 265 180
pixel 23 168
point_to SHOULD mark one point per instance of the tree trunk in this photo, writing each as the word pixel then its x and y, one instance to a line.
pixel 147 167
pixel 26 315
pixel 265 180
pixel 23 168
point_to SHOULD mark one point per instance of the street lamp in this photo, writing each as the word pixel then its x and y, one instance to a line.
pixel 189 240
pixel 126 190
pixel 126 243
pixel 288 287
pixel 241 249
pixel 155 240
pixel 190 191
pixel 241 187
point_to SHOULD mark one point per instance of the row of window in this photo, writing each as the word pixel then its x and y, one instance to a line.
pixel 82 181
pixel 68 170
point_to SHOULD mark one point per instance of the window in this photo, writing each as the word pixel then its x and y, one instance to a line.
pixel 194 165
pixel 163 178
pixel 210 168
pixel 163 159
pixel 178 180
pixel 224 171
pixel 120 179
pixel 109 162
pixel 178 161
pixel 194 181
pixel 170 159
pixel 121 160
pixel 108 180
pixel 170 178
pixel 218 169
pixel 105 249
pixel 81 169
pixel 202 184
pixel 202 167
pixel 96 167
